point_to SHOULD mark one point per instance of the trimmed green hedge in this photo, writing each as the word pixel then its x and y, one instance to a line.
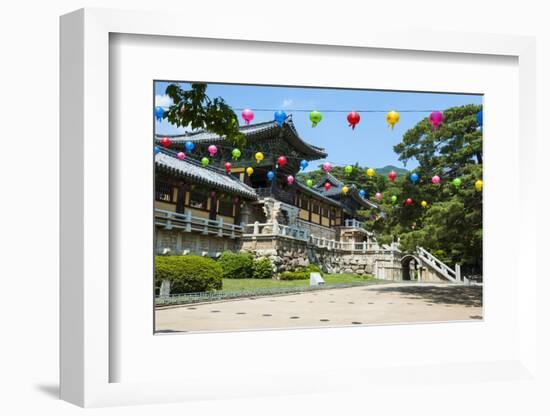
pixel 236 265
pixel 262 269
pixel 188 274
pixel 301 273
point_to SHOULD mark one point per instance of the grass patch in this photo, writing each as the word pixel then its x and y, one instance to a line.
pixel 235 285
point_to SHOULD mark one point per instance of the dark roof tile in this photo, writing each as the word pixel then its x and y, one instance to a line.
pixel 192 169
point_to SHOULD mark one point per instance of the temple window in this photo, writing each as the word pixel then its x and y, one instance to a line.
pixel 198 200
pixel 164 192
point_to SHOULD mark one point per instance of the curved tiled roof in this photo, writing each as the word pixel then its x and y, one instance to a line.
pixel 192 169
pixel 336 190
pixel 317 194
pixel 253 131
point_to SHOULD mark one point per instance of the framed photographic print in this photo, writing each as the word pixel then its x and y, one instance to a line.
pixel 306 201
pixel 256 228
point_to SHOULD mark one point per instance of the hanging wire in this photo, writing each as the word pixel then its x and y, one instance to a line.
pixel 305 110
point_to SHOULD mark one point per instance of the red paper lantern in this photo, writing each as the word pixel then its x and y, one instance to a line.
pixel 353 119
pixel 165 142
pixel 392 175
pixel 281 161
pixel 327 186
pixel 227 167
pixel 408 201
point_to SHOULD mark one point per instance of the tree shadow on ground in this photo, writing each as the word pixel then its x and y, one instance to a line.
pixel 454 295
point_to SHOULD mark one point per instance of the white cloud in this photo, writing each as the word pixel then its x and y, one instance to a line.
pixel 163 100
pixel 287 102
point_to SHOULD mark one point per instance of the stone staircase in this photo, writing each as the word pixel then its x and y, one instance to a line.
pixel 431 262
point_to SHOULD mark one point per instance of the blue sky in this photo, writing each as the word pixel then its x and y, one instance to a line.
pixel 370 144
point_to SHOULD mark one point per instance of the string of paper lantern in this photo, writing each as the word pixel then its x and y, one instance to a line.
pixel 435 117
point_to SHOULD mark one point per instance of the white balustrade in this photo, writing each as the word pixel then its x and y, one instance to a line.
pixel 187 222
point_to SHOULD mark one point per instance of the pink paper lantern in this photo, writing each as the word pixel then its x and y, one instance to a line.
pixel 212 150
pixel 248 115
pixel 436 119
pixel 378 196
pixel 436 179
pixel 181 155
pixel 290 179
pixel 327 167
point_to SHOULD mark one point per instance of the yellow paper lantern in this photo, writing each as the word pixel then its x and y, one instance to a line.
pixel 392 118
pixel 424 204
pixel 345 189
pixel 479 185
pixel 259 157
pixel 370 172
pixel 249 171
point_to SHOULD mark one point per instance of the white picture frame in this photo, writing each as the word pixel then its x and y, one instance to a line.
pixel 87 356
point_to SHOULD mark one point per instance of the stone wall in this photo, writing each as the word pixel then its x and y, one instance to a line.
pixel 285 254
pixel 288 255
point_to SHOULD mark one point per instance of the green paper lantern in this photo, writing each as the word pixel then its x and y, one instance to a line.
pixel 457 182
pixel 315 117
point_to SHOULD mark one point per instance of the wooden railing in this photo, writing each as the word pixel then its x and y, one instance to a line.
pixel 188 222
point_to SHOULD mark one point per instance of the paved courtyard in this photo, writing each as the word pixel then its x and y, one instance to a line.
pixel 376 304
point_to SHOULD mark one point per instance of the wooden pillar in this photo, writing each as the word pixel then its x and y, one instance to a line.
pixel 213 205
pixel 309 205
pixel 180 201
pixel 237 207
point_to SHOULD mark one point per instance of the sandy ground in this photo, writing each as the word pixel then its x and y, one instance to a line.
pixel 366 305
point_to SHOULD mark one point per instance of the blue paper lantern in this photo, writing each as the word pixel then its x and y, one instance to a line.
pixel 189 146
pixel 304 164
pixel 280 117
pixel 480 118
pixel 362 193
pixel 270 176
pixel 157 150
pixel 159 113
pixel 414 178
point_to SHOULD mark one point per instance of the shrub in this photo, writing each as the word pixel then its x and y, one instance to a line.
pixel 262 269
pixel 294 275
pixel 312 268
pixel 301 273
pixel 188 273
pixel 236 265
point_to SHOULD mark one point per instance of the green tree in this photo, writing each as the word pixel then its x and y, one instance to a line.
pixel 451 225
pixel 196 109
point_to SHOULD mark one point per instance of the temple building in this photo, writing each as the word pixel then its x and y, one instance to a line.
pixel 207 210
